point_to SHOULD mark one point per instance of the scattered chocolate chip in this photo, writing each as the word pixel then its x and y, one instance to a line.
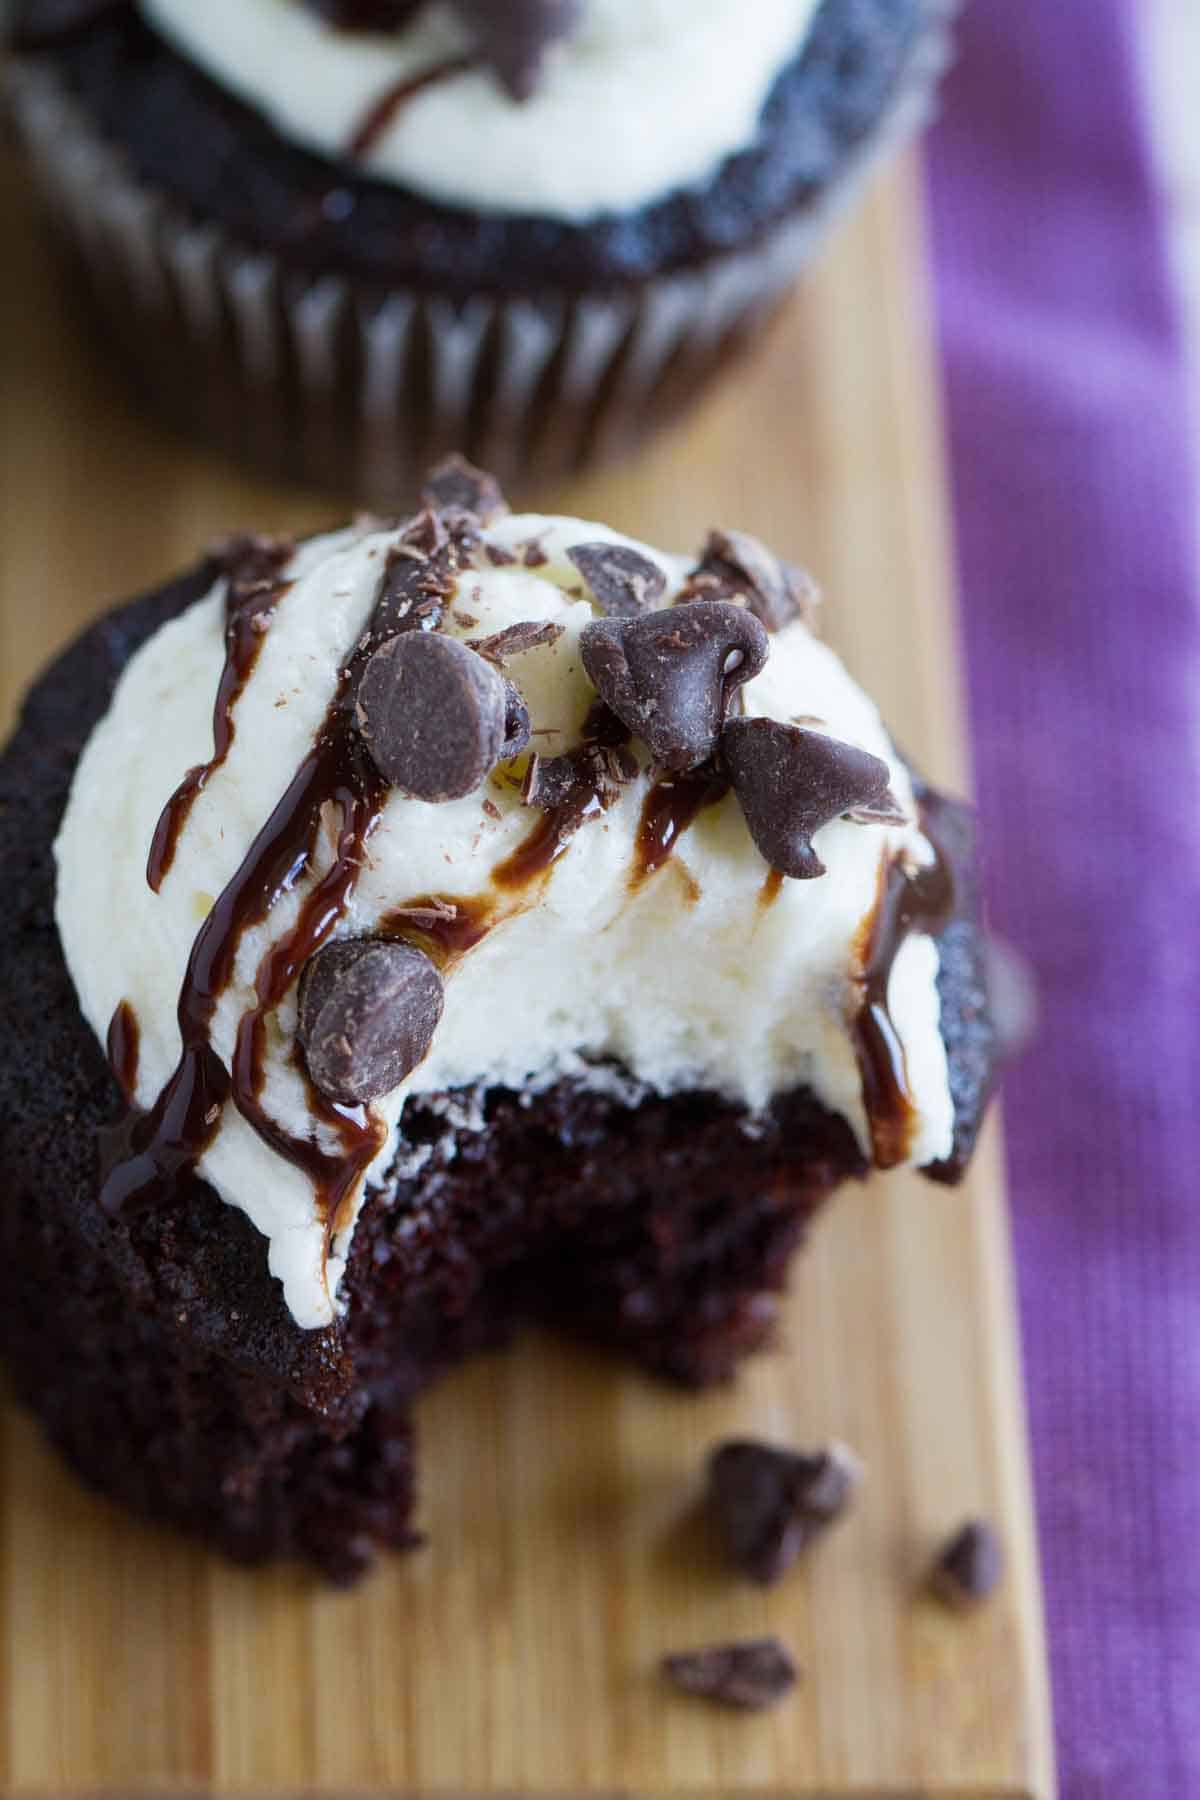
pixel 527 634
pixel 769 1503
pixel 775 591
pixel 670 675
pixel 789 782
pixel 515 37
pixel 368 1012
pixel 432 714
pixel 533 556
pixel 622 581
pixel 969 1567
pixel 517 731
pixel 456 485
pixel 751 1675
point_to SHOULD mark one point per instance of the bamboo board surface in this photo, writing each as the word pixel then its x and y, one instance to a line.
pixel 516 1653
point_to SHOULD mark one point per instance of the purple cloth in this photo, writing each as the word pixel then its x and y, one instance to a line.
pixel 1072 498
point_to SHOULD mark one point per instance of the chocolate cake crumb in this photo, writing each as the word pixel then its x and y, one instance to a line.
pixel 969 1566
pixel 751 1675
pixel 769 1503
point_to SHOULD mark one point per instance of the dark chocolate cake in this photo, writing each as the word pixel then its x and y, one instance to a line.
pixel 148 1334
pixel 534 237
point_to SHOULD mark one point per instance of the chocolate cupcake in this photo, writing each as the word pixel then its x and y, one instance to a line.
pixel 355 895
pixel 339 237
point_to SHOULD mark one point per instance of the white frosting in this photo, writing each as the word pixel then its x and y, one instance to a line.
pixel 688 980
pixel 648 96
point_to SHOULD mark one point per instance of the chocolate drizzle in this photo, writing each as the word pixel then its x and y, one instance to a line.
pixel 254 567
pixel 445 927
pixel 157 1149
pixel 384 111
pixel 591 779
pixel 122 1048
pixel 671 805
pixel 918 901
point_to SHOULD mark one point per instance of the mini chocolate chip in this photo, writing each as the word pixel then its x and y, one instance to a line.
pixel 969 1567
pixel 622 581
pixel 669 676
pixel 517 728
pixel 751 1675
pixel 432 714
pixel 455 485
pixel 768 1503
pixel 368 1012
pixel 515 37
pixel 789 782
pixel 776 592
pixel 526 634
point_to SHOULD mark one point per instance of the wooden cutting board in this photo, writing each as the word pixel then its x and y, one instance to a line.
pixel 517 1651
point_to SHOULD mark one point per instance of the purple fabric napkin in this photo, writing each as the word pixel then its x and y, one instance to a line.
pixel 1070 456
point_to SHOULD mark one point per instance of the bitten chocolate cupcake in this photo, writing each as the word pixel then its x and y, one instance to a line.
pixel 339 237
pixel 355 896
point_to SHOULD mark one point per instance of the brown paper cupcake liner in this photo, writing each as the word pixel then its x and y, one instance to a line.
pixel 323 379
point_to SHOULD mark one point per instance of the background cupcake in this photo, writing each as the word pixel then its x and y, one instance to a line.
pixel 339 236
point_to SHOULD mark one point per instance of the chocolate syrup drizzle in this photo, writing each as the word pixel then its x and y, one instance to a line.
pixel 383 112
pixel 157 1149
pixel 253 592
pixel 672 804
pixel 918 901
pixel 593 790
pixel 444 926
pixel 122 1048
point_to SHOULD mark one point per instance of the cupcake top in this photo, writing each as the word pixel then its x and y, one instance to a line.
pixel 488 799
pixel 559 108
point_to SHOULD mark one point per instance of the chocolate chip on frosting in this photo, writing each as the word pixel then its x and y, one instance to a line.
pixel 622 581
pixel 768 1503
pixel 789 782
pixel 669 676
pixel 368 1012
pixel 433 715
pixel 514 35
pixel 751 1675
pixel 969 1567
pixel 733 562
pixel 455 485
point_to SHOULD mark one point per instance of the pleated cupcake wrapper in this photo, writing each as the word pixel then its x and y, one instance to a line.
pixel 328 379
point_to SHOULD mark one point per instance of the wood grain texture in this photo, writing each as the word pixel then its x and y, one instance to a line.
pixel 517 1652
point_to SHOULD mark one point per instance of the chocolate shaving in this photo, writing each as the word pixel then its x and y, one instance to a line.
pixel 790 782
pixel 622 581
pixel 969 1567
pixel 455 485
pixel 517 728
pixel 735 564
pixel 768 1503
pixel 425 914
pixel 533 556
pixel 433 715
pixel 514 640
pixel 368 1012
pixel 669 676
pixel 751 1675
pixel 594 770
